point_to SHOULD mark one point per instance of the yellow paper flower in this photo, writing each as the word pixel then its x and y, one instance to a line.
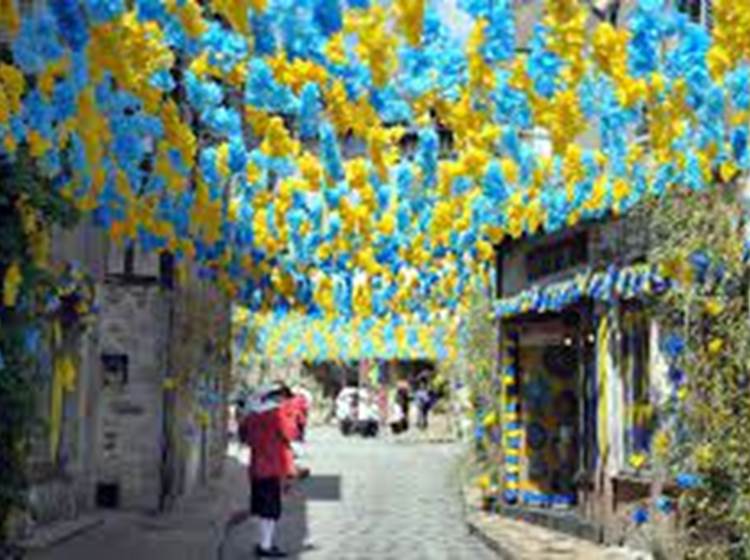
pixel 169 384
pixel 335 49
pixel 484 482
pixel 714 307
pixel 410 18
pixel 704 455
pixel 490 419
pixel 235 12
pixel 10 20
pixel 13 84
pixel 715 346
pixel 638 460
pixel 661 443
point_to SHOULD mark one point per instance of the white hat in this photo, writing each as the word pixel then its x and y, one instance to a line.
pixel 261 399
pixel 259 404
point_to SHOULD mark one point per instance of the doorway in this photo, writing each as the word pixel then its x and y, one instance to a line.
pixel 549 391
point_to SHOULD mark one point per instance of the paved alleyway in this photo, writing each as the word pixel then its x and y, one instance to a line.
pixel 395 501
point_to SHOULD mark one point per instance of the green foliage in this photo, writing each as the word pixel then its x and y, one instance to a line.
pixel 710 434
pixel 476 369
pixel 19 181
pixel 481 335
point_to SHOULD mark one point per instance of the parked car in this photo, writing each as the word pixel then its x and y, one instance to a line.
pixel 357 412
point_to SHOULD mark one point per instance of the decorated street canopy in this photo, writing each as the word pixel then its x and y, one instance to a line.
pixel 302 337
pixel 359 160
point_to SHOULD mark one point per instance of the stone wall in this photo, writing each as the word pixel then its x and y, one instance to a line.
pixel 133 353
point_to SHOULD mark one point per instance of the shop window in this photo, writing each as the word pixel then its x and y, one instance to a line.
pixel 634 360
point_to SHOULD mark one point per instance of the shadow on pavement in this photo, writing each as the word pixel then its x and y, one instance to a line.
pixel 294 535
pixel 240 529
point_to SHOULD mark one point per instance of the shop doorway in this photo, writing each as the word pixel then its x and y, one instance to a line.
pixel 550 413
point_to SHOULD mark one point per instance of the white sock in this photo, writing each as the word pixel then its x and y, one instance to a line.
pixel 267 529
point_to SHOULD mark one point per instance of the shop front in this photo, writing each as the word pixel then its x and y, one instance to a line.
pixel 580 369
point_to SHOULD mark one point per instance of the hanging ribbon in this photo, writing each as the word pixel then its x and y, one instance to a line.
pixel 63 380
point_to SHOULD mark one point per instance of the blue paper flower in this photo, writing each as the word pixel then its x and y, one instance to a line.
pixel 309 111
pixel 265 38
pixel 674 345
pixel 102 11
pixel 687 481
pixel 676 375
pixel 664 504
pixel 71 22
pixel 331 155
pixel 328 16
pixel 640 516
pixel 427 156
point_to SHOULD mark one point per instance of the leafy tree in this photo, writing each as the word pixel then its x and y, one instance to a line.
pixel 24 198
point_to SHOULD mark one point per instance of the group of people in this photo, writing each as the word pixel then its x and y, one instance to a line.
pixel 272 423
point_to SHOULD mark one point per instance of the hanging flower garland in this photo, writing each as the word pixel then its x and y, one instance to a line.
pixel 233 97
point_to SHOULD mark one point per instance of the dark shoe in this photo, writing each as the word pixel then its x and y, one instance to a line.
pixel 277 552
pixel 274 552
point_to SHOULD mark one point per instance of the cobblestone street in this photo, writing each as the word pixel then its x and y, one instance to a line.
pixel 367 499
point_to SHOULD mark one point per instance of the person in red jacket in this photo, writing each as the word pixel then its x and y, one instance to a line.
pixel 295 408
pixel 269 433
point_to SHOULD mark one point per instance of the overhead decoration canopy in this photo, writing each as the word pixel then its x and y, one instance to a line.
pixel 359 160
pixel 301 337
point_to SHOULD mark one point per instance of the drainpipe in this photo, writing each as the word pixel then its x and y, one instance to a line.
pixel 167 405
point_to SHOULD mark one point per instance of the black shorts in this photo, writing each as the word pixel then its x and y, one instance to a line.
pixel 265 497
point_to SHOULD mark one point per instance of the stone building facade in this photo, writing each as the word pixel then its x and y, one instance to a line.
pixel 142 420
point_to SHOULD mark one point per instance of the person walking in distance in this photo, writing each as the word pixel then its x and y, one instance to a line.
pixel 268 432
pixel 403 398
pixel 424 401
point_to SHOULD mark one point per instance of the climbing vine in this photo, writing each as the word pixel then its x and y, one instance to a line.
pixel 32 294
pixel 698 240
pixel 477 371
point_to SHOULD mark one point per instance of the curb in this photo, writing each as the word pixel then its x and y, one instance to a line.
pixel 475 530
pixel 59 533
pixel 494 545
pixel 443 440
pixel 472 526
